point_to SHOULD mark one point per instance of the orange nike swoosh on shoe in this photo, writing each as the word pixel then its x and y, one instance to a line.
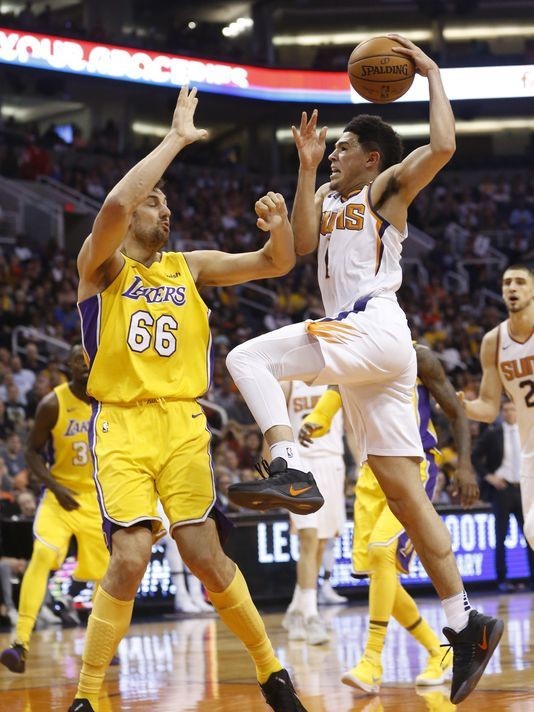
pixel 295 492
pixel 484 644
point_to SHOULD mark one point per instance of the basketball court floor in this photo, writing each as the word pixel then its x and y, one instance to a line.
pixel 196 665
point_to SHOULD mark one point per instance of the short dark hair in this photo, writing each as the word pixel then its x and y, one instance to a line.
pixel 375 135
pixel 522 267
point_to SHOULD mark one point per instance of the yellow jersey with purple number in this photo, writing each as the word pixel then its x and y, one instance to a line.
pixel 147 336
pixel 68 453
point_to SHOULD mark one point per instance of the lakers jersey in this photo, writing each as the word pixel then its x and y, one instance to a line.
pixel 359 253
pixel 427 431
pixel 147 335
pixel 302 400
pixel 515 363
pixel 68 448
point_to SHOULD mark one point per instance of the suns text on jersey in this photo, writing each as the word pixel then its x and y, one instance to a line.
pixel 517 368
pixel 75 427
pixel 155 295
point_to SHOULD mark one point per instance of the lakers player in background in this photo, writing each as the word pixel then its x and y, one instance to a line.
pixel 147 339
pixel 381 549
pixel 357 222
pixel 507 358
pixel 58 454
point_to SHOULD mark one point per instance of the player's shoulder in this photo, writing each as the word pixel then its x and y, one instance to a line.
pixel 491 337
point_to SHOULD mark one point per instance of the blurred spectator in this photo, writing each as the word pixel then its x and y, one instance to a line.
pixel 13 456
pixel 23 378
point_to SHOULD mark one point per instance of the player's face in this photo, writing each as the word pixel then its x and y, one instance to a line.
pixel 509 413
pixel 347 163
pixel 517 290
pixel 151 220
pixel 78 367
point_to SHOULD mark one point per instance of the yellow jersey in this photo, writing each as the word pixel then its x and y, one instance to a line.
pixel 69 457
pixel 147 336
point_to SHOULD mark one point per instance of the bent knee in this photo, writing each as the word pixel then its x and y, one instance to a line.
pixel 380 556
pixel 45 555
pixel 239 359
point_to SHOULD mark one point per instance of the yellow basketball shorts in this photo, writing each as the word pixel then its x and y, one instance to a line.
pixel 142 452
pixel 374 522
pixel 54 526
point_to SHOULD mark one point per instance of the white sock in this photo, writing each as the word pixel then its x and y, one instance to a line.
pixel 308 602
pixel 287 450
pixel 456 609
pixel 295 601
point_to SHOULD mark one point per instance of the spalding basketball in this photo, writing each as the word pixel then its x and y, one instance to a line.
pixel 377 73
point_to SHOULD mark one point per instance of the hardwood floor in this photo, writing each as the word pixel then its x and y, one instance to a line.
pixel 196 665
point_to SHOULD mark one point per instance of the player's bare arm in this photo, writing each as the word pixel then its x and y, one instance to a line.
pixel 45 419
pixel 403 181
pixel 99 260
pixel 276 257
pixel 432 374
pixel 307 207
pixel 486 407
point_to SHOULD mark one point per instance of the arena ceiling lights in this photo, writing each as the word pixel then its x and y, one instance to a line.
pixel 111 62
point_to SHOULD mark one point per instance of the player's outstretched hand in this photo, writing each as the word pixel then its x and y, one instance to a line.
pixel 271 211
pixel 183 121
pixel 306 433
pixel 423 63
pixel 65 497
pixel 310 142
pixel 465 482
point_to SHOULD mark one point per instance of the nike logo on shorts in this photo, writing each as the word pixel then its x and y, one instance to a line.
pixel 196 415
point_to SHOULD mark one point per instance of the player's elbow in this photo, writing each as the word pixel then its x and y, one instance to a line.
pixel 445 149
pixel 283 264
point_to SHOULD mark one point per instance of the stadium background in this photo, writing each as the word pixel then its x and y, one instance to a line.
pixel 66 138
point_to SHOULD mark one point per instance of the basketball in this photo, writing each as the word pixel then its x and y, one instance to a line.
pixel 377 73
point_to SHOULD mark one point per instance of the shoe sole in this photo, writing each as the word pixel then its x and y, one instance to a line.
pixel 322 640
pixel 12 662
pixel 469 685
pixel 355 682
pixel 272 499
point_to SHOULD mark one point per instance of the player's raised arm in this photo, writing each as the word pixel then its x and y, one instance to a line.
pixel 486 407
pixel 306 214
pixel 421 165
pixel 274 259
pixel 112 221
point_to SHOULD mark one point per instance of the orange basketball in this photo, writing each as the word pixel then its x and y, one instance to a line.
pixel 379 74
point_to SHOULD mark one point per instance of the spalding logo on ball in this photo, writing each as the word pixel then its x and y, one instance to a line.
pixel 378 73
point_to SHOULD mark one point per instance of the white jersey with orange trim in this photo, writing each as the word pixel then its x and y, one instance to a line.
pixel 515 363
pixel 358 254
pixel 302 400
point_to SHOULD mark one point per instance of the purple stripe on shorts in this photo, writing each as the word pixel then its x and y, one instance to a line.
pixel 405 549
pixel 90 316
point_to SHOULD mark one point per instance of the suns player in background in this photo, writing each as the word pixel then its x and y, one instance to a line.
pixel 358 221
pixel 507 358
pixel 381 549
pixel 58 454
pixel 147 338
pixel 302 620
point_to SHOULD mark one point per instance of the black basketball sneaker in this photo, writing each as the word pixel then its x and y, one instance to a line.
pixel 472 649
pixel 280 694
pixel 284 487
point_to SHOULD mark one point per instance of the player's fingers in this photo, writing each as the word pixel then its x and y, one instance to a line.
pixel 322 134
pixel 402 40
pixel 312 123
pixel 303 121
pixel 262 225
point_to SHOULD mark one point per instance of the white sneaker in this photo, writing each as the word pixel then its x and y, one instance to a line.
pixel 295 626
pixel 47 617
pixel 183 604
pixel 202 605
pixel 316 633
pixel 326 596
pixel 13 616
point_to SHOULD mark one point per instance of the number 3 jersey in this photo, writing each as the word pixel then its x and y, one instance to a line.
pixel 68 447
pixel 515 362
pixel 147 336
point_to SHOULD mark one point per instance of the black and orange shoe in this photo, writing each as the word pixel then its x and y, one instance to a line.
pixel 280 694
pixel 81 705
pixel 14 658
pixel 284 487
pixel 472 649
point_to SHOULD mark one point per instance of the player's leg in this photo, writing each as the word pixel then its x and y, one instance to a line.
pixel 527 497
pixel 53 531
pixel 201 551
pixel 131 548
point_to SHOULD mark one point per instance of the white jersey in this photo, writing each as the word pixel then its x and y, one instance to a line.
pixel 302 400
pixel 358 254
pixel 515 362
